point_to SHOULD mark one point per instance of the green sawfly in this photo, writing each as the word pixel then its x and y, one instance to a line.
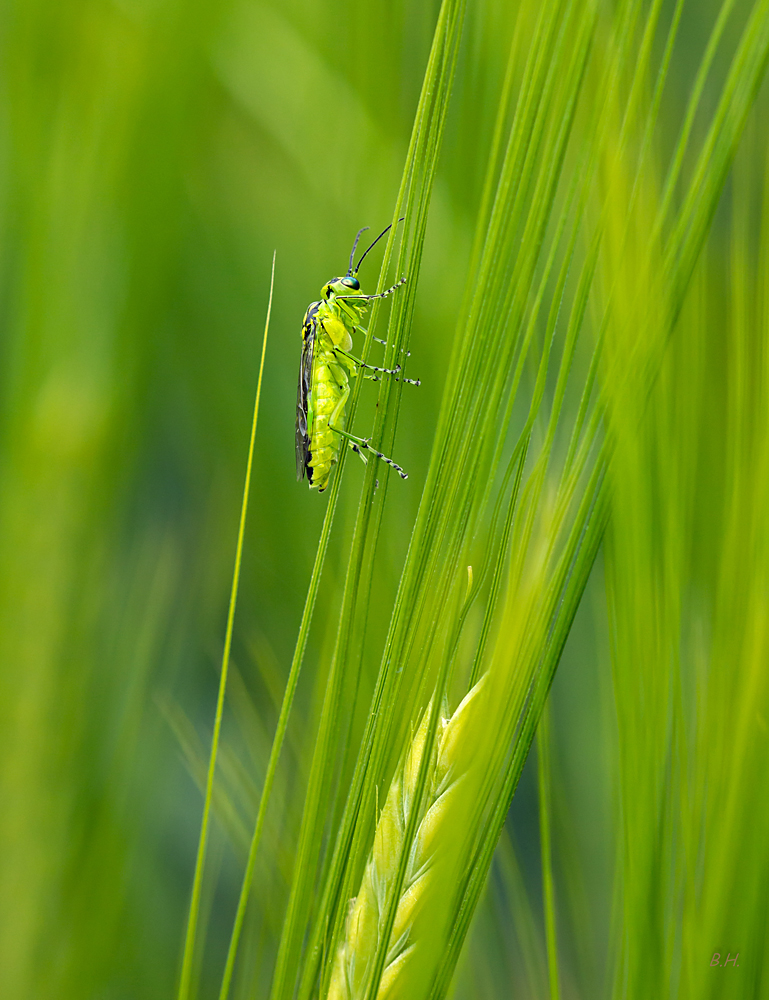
pixel 324 373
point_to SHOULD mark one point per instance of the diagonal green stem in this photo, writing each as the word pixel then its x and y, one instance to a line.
pixel 192 920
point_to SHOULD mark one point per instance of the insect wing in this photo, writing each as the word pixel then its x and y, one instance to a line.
pixel 303 431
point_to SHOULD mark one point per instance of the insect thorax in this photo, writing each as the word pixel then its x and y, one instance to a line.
pixel 336 325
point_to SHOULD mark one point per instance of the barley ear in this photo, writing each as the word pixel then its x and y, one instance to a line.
pixel 443 830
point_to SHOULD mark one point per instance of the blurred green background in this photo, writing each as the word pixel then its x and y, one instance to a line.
pixel 153 153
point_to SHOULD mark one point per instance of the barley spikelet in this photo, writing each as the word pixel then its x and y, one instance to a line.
pixel 430 878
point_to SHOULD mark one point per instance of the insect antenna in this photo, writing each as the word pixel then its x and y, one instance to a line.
pixel 355 247
pixel 363 257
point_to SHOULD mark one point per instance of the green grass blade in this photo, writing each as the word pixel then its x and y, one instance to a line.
pixel 425 143
pixel 185 978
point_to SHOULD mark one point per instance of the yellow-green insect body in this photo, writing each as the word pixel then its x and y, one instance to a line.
pixel 329 390
pixel 325 369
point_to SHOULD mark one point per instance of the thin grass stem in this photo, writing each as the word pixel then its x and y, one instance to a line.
pixel 192 919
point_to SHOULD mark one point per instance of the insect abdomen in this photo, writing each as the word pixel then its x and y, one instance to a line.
pixel 330 383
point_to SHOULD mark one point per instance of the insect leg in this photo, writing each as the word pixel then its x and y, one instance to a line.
pixel 358 452
pixel 362 329
pixel 362 364
pixel 337 415
pixel 403 349
pixel 364 443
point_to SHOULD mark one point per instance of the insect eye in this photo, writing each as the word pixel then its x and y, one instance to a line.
pixel 351 283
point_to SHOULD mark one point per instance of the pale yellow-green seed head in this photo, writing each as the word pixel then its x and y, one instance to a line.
pixel 434 863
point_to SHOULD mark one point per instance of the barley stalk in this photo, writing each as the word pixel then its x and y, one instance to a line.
pixel 438 848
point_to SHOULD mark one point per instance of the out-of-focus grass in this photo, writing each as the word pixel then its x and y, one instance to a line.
pixel 153 154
